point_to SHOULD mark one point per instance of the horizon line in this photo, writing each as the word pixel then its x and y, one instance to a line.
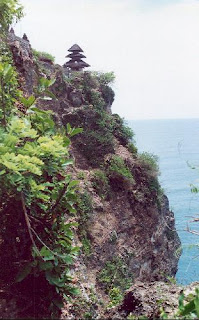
pixel 159 119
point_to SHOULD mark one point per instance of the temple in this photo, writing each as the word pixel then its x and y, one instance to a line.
pixel 75 63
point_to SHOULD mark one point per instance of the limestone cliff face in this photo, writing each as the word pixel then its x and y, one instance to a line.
pixel 131 220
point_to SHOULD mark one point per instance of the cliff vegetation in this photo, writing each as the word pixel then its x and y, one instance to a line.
pixel 83 216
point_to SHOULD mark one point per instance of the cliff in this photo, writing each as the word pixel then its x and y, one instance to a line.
pixel 126 230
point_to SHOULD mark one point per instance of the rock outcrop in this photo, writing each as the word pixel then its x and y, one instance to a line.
pixel 151 299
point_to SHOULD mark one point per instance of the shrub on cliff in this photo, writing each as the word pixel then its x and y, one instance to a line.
pixel 121 131
pixel 10 11
pixel 115 278
pixel 85 209
pixel 100 127
pixel 95 144
pixel 97 90
pixel 96 140
pixel 36 195
pixel 106 78
pixel 149 161
pixel 100 183
pixel 41 54
pixel 119 174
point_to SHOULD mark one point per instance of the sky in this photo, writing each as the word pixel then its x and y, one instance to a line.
pixel 151 45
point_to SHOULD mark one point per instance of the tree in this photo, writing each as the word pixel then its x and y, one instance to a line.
pixel 10 12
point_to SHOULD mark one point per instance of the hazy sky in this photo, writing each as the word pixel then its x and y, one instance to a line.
pixel 151 45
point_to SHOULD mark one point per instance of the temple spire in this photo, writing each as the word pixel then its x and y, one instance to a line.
pixel 75 63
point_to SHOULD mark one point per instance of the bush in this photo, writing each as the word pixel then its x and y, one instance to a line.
pixel 10 11
pixel 100 183
pixel 108 95
pixel 41 54
pixel 81 175
pixel 149 162
pixel 132 148
pixel 122 132
pixel 85 209
pixel 115 296
pixel 96 99
pixel 96 140
pixel 116 165
pixel 95 144
pixel 36 195
pixel 119 175
pixel 115 275
pixel 96 89
pixel 104 78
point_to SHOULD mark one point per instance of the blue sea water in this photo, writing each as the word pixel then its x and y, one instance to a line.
pixel 176 143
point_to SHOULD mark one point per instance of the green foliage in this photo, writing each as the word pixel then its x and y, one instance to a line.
pixel 107 94
pixel 149 162
pixel 10 12
pixel 189 310
pixel 188 307
pixel 86 306
pixel 29 170
pixel 86 243
pixel 5 53
pixel 8 91
pixel 194 189
pixel 132 148
pixel 85 209
pixel 95 144
pixel 96 99
pixel 100 127
pixel 96 89
pixel 118 169
pixel 81 175
pixel 115 296
pixel 121 131
pixel 33 161
pixel 171 280
pixel 100 183
pixel 115 275
pixel 41 54
pixel 104 78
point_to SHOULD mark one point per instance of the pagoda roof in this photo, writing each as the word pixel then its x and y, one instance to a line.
pixel 72 64
pixel 75 47
pixel 83 64
pixel 75 55
pixel 76 64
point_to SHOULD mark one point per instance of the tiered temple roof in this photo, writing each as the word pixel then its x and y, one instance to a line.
pixel 76 63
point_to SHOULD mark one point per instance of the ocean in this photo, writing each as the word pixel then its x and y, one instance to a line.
pixel 176 143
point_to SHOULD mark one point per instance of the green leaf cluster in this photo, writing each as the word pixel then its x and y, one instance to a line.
pixel 33 175
pixel 149 162
pixel 117 166
pixel 10 11
pixel 42 54
pixel 100 183
pixel 8 90
pixel 115 296
pixel 115 275
pixel 189 310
